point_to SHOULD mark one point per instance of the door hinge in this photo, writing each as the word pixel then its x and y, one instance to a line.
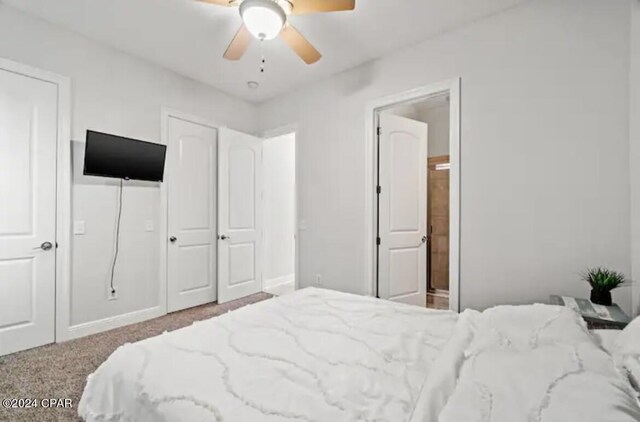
pixel 379 131
pixel 379 190
pixel 56 245
pixel 378 241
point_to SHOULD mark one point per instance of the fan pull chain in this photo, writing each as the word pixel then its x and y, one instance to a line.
pixel 263 61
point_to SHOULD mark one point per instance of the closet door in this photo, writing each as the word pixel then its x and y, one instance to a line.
pixel 192 214
pixel 239 215
pixel 28 148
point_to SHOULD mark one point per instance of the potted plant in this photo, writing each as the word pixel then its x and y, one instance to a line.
pixel 602 281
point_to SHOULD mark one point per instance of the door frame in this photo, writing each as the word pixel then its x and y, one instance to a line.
pixel 166 114
pixel 273 133
pixel 63 192
pixel 373 108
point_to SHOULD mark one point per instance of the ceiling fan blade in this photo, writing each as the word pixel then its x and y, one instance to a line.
pixel 220 2
pixel 318 6
pixel 300 45
pixel 239 44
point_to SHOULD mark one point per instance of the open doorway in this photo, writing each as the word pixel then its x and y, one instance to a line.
pixel 416 206
pixel 434 111
pixel 279 214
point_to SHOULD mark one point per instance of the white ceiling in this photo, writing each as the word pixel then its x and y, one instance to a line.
pixel 189 37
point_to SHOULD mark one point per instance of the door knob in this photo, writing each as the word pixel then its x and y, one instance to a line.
pixel 424 239
pixel 172 239
pixel 224 237
pixel 45 246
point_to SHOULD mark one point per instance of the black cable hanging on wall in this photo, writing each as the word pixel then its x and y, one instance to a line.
pixel 117 245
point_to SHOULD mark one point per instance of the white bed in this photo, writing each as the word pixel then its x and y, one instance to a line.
pixel 318 355
pixel 606 339
pixel 314 355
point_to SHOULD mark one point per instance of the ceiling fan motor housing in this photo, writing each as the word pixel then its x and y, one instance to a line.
pixel 265 18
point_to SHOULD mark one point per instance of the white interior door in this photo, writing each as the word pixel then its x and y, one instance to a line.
pixel 192 215
pixel 239 215
pixel 402 259
pixel 28 145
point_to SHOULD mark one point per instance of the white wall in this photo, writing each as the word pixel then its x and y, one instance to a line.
pixel 635 149
pixel 545 89
pixel 115 93
pixel 279 159
pixel 438 119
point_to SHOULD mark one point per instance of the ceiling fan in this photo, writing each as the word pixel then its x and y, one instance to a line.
pixel 266 19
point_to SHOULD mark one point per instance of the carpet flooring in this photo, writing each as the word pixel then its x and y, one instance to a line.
pixel 61 370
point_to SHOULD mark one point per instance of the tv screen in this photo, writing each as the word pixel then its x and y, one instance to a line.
pixel 123 158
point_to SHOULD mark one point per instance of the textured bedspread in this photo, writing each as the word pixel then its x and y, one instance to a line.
pixel 314 355
pixel 534 363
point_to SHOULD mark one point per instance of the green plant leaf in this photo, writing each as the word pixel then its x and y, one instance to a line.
pixel 603 279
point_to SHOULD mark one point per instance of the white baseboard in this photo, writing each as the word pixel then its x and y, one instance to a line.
pixel 279 285
pixel 278 281
pixel 94 327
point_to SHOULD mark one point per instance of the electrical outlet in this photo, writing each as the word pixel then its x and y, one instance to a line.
pixel 318 280
pixel 112 294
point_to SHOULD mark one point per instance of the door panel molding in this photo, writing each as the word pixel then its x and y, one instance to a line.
pixel 62 241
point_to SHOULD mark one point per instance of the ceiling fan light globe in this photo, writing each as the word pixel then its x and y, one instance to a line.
pixel 263 18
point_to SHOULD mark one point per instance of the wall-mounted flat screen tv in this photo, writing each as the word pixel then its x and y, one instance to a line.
pixel 123 158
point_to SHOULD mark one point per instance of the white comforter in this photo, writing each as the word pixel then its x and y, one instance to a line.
pixel 533 363
pixel 314 355
pixel 324 356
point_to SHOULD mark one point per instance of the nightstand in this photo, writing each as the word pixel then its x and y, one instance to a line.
pixel 596 316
